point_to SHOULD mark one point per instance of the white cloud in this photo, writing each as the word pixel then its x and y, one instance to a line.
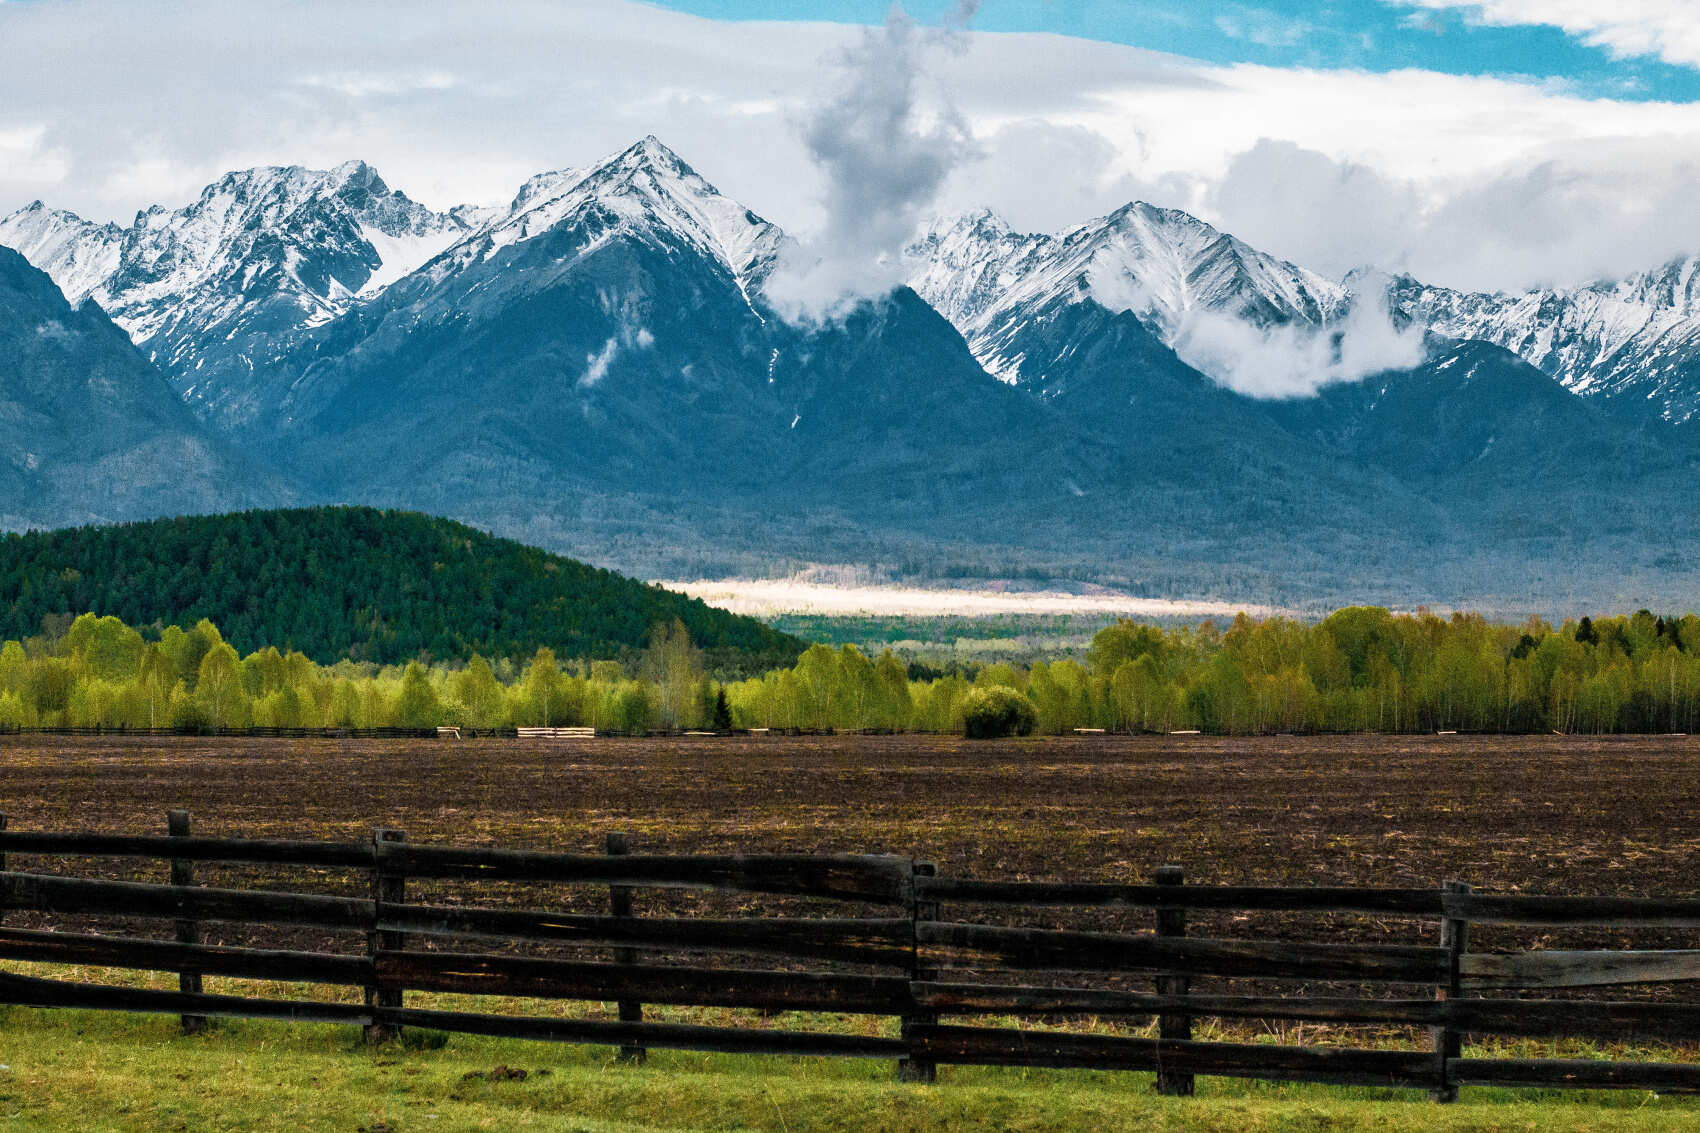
pixel 26 158
pixel 1474 181
pixel 1664 29
pixel 367 85
pixel 1605 212
pixel 1296 360
pixel 596 365
pixel 884 153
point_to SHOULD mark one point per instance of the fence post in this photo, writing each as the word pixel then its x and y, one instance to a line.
pixel 387 888
pixel 1448 1042
pixel 914 1069
pixel 620 905
pixel 188 930
pixel 1171 923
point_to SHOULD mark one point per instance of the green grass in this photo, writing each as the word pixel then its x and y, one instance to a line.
pixel 69 1070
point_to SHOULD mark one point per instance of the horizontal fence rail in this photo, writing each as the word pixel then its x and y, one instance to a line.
pixel 897 945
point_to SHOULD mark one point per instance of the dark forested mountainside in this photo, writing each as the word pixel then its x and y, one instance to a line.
pixel 359 583
pixel 89 429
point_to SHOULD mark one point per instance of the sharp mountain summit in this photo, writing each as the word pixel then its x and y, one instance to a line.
pixel 1142 401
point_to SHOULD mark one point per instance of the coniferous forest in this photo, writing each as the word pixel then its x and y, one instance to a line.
pixel 354 583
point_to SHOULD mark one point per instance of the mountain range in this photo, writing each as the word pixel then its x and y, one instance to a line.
pixel 1142 401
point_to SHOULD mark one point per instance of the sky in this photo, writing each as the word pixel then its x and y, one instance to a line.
pixel 1499 144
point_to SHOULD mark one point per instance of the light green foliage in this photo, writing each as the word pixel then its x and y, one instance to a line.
pixel 1360 669
pixel 417 705
pixel 545 691
pixel 631 708
pixel 219 688
pixel 105 648
pixel 478 695
pixel 674 667
pixel 997 711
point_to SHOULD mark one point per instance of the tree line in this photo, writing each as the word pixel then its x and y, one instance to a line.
pixel 1361 669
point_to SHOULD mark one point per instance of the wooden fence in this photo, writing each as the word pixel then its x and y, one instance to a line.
pixel 907 944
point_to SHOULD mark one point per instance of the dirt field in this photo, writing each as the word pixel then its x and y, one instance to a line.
pixel 1549 815
pixel 1544 814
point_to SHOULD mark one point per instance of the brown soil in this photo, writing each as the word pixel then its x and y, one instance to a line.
pixel 1539 814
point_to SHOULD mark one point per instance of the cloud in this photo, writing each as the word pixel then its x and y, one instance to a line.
pixel 369 85
pixel 884 153
pixel 1663 29
pixel 596 365
pixel 1331 216
pixel 1614 209
pixel 1296 360
pixel 27 159
pixel 1474 181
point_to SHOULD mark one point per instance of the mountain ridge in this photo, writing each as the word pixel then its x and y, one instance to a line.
pixel 595 367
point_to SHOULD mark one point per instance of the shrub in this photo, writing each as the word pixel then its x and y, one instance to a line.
pixel 992 713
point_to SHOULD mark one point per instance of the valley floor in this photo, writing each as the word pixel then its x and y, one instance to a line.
pixel 1545 814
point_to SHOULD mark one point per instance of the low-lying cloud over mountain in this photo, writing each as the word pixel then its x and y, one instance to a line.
pixel 1142 399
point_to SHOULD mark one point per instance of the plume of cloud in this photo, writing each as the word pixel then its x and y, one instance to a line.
pixel 884 154
pixel 596 365
pixel 1291 360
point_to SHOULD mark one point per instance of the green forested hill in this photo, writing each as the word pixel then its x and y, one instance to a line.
pixel 355 582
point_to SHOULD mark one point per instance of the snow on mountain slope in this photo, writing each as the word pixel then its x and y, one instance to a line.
pixel 1633 342
pixel 291 232
pixel 643 186
pixel 78 255
pixel 1190 283
pixel 209 290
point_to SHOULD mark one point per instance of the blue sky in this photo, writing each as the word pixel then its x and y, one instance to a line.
pixel 1360 34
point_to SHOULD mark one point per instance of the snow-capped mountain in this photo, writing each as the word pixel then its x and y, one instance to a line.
pixel 594 367
pixel 609 328
pixel 211 291
pixel 1163 265
pixel 1633 344
pixel 78 255
pixel 646 187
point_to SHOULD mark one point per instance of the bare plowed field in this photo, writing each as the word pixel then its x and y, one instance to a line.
pixel 1541 814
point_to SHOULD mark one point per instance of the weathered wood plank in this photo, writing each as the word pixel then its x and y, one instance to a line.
pixel 166 956
pixel 620 904
pixel 188 931
pixel 29 991
pixel 130 898
pixel 997 1046
pixel 1406 902
pixel 1172 1025
pixel 1600 912
pixel 200 849
pixel 1092 951
pixel 486 974
pixel 672 1036
pixel 850 878
pixel 1577 969
pixel 388 887
pixel 878 941
pixel 1665 1077
pixel 1524 1017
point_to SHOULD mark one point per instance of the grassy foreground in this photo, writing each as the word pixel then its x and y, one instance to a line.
pixel 67 1070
